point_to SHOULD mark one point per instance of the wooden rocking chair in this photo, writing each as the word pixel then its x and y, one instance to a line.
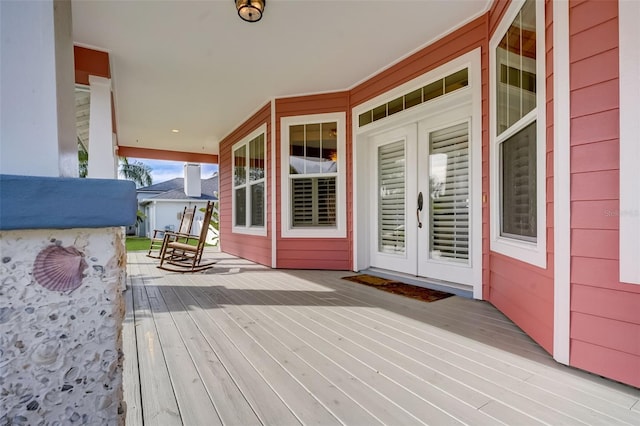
pixel 180 256
pixel 184 231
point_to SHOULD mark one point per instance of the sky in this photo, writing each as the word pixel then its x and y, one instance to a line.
pixel 162 170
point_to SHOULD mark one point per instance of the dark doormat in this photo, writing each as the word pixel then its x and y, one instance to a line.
pixel 396 287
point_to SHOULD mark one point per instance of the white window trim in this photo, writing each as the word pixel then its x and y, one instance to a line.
pixel 274 229
pixel 629 16
pixel 529 252
pixel 249 230
pixel 340 230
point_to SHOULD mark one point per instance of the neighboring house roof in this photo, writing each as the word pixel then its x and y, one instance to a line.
pixel 209 190
pixel 168 185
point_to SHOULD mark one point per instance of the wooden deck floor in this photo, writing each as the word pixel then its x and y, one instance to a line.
pixel 247 345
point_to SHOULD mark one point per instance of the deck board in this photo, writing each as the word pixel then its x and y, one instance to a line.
pixel 196 407
pixel 131 391
pixel 229 401
pixel 299 399
pixel 159 405
pixel 451 372
pixel 242 344
pixel 271 340
pixel 429 401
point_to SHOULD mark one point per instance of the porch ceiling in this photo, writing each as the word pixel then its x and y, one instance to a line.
pixel 195 66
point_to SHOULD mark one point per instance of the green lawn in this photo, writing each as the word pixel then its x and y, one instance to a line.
pixel 137 243
pixel 142 243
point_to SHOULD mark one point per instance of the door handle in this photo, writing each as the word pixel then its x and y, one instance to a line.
pixel 420 203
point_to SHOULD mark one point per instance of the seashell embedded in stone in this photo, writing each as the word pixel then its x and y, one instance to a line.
pixel 59 268
pixel 46 353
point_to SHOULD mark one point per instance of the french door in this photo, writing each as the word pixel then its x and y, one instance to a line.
pixel 421 198
pixel 393 181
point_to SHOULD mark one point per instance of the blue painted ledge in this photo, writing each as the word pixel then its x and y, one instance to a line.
pixel 31 202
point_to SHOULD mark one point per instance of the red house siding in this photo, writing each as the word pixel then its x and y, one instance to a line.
pixel 605 315
pixel 252 247
pixel 459 42
pixel 314 253
pixel 521 291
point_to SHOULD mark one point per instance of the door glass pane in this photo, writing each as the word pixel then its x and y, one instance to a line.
pixel 449 193
pixel 391 198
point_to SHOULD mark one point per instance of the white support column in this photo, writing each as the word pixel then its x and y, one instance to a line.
pixel 102 161
pixel 37 124
pixel 629 212
pixel 561 184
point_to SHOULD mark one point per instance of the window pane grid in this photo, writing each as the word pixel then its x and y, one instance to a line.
pixel 249 183
pixel 516 69
pixel 516 121
pixel 313 167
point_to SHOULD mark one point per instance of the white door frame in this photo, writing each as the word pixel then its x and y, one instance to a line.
pixel 361 153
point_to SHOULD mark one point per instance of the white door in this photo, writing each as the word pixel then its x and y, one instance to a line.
pixel 393 185
pixel 444 182
pixel 421 198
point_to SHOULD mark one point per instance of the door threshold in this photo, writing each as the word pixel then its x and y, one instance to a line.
pixel 431 283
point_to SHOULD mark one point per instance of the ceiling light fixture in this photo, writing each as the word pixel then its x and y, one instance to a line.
pixel 250 10
pixel 175 130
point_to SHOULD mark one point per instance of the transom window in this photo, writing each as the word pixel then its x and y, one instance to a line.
pixel 313 169
pixel 249 176
pixel 448 84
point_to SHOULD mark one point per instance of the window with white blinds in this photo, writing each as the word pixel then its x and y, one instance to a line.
pixel 449 193
pixel 391 198
pixel 249 176
pixel 313 169
pixel 313 176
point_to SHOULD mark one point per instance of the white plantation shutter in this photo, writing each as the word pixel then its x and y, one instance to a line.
pixel 326 201
pixel 449 181
pixel 391 198
pixel 313 201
